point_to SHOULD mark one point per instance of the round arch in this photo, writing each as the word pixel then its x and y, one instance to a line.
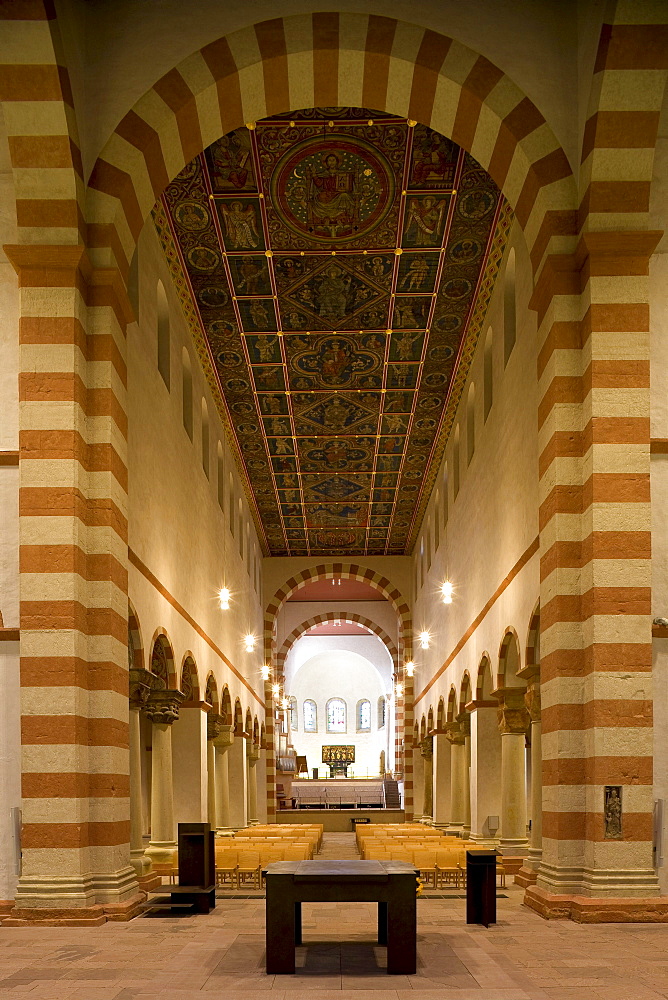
pixel 135 643
pixel 344 571
pixel 452 705
pixel 211 692
pixel 391 66
pixel 226 705
pixel 464 692
pixel 331 616
pixel 238 718
pixel 189 678
pixel 509 650
pixel 532 649
pixel 162 659
pixel 484 681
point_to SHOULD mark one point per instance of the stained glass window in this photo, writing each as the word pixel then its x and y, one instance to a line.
pixel 363 715
pixel 293 713
pixel 310 717
pixel 336 715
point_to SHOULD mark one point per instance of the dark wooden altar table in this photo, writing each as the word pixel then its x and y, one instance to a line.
pixel 391 884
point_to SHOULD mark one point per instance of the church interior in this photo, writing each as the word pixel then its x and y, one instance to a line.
pixel 333 478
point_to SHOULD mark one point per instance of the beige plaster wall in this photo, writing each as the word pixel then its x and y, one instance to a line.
pixel 176 526
pixel 494 519
pixel 295 612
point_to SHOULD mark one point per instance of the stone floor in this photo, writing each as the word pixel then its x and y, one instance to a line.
pixel 222 955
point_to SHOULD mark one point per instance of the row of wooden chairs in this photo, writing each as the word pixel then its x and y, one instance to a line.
pixel 281 831
pixel 439 867
pixel 243 867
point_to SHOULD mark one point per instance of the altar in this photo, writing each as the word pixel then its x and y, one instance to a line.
pixel 339 759
pixel 391 884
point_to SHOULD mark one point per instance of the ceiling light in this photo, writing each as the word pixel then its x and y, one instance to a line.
pixel 265 672
pixel 446 592
pixel 224 599
pixel 249 640
pixel 410 668
pixel 424 640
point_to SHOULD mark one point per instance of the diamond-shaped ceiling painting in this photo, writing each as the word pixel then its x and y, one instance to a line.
pixel 335 258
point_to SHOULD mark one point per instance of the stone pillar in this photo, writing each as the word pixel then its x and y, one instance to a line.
pixel 238 772
pixel 465 723
pixel 163 710
pixel 441 772
pixel 261 778
pixel 427 752
pixel 417 767
pixel 140 689
pixel 213 727
pixel 513 721
pixel 458 776
pixel 222 743
pixel 252 756
pixel 485 774
pixel 529 871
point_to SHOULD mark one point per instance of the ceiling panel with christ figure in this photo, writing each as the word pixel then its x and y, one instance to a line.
pixel 338 263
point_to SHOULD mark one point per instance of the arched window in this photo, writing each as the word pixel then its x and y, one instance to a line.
pixel 381 712
pixel 310 716
pixel 187 401
pixel 220 478
pixel 231 506
pixel 163 334
pixel 133 283
pixel 241 528
pixel 292 705
pixel 455 465
pixel 363 716
pixel 437 521
pixel 488 378
pixel 205 438
pixel 509 308
pixel 470 424
pixel 336 715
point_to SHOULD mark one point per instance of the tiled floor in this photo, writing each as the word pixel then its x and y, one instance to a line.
pixel 222 955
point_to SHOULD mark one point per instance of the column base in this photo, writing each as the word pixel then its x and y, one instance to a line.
pixel 150 881
pixel 160 854
pixel 88 916
pixel 224 831
pixel 600 883
pixel 515 847
pixel 601 910
pixel 528 873
pixel 140 862
pixel 83 892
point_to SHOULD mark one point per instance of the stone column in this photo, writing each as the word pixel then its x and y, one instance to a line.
pixel 252 756
pixel 458 776
pixel 513 723
pixel 485 773
pixel 163 710
pixel 213 727
pixel 238 773
pixel 222 744
pixel 465 723
pixel 441 771
pixel 426 752
pixel 417 770
pixel 528 873
pixel 140 689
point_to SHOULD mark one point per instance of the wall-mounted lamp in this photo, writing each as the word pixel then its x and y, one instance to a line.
pixel 285 704
pixel 275 690
pixel 399 690
pixel 409 668
pixel 446 592
pixel 224 599
pixel 249 641
pixel 424 640
pixel 265 671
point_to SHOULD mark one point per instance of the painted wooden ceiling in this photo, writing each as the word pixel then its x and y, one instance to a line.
pixel 334 259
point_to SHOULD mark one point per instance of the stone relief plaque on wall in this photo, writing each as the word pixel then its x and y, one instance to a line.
pixel 612 812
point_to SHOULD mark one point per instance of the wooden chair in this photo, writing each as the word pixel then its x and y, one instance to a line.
pixel 425 861
pixel 446 868
pixel 226 867
pixel 248 869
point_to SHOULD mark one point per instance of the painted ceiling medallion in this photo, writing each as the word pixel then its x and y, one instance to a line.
pixel 334 258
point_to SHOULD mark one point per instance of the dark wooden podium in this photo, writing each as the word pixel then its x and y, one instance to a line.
pixel 481 887
pixel 391 884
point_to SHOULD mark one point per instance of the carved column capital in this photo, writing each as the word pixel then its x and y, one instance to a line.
pixel 141 684
pixel 214 725
pixel 225 738
pixel 427 748
pixel 532 700
pixel 163 706
pixel 252 753
pixel 512 715
pixel 464 721
pixel 454 734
